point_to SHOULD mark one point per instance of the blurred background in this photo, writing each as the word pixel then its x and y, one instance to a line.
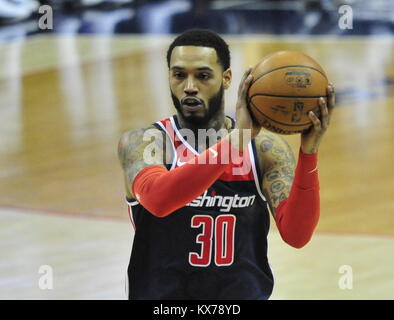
pixel 279 17
pixel 76 74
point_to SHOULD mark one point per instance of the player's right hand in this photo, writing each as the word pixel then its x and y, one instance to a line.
pixel 244 120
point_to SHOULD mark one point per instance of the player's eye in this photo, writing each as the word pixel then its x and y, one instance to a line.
pixel 204 76
pixel 179 75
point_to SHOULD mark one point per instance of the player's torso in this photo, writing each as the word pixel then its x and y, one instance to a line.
pixel 214 247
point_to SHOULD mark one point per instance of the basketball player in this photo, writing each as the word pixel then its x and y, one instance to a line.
pixel 201 226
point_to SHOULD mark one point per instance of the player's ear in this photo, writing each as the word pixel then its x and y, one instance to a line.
pixel 227 76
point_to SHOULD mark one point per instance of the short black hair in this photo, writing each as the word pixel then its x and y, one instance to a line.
pixel 202 38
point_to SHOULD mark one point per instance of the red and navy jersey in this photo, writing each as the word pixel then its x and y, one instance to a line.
pixel 215 247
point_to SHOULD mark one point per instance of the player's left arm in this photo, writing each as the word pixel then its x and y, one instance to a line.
pixel 293 191
pixel 278 163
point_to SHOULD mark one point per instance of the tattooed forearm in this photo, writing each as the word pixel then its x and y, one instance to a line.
pixel 266 145
pixel 277 186
pixel 276 198
pixel 278 166
pixel 277 190
pixel 273 175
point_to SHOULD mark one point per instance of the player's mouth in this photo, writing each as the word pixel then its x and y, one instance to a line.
pixel 192 104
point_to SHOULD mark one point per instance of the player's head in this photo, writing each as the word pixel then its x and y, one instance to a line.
pixel 199 72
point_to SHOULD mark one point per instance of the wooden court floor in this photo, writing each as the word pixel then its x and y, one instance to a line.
pixel 64 102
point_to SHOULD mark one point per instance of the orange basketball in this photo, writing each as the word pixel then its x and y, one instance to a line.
pixel 286 86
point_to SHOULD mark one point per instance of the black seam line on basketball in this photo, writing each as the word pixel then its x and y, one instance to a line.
pixel 289 66
pixel 280 96
pixel 286 124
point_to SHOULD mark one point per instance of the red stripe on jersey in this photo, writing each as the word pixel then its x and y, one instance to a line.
pixel 166 123
pixel 183 151
pixel 235 172
pixel 229 176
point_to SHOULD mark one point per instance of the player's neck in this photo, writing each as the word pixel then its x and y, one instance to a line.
pixel 217 122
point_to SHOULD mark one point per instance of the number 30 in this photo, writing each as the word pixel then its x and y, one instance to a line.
pixel 222 228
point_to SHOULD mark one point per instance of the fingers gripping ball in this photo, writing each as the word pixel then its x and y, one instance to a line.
pixel 286 86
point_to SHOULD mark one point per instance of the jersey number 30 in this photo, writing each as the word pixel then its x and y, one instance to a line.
pixel 221 232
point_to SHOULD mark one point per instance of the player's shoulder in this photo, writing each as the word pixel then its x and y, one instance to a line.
pixel 130 140
pixel 134 137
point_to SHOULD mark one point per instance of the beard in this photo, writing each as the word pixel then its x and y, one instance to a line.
pixel 214 106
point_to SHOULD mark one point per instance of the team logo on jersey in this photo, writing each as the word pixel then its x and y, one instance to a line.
pixel 225 203
pixel 180 163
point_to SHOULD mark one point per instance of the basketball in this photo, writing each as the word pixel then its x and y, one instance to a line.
pixel 286 86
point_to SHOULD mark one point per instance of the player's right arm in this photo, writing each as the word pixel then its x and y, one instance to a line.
pixel 131 149
pixel 160 191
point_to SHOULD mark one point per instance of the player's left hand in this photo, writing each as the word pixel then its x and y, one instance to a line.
pixel 310 140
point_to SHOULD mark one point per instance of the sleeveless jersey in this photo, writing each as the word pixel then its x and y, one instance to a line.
pixel 215 247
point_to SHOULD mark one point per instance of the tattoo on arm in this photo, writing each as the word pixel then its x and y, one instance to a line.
pixel 131 150
pixel 278 170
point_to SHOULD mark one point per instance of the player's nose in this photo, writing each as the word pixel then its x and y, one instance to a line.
pixel 190 87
